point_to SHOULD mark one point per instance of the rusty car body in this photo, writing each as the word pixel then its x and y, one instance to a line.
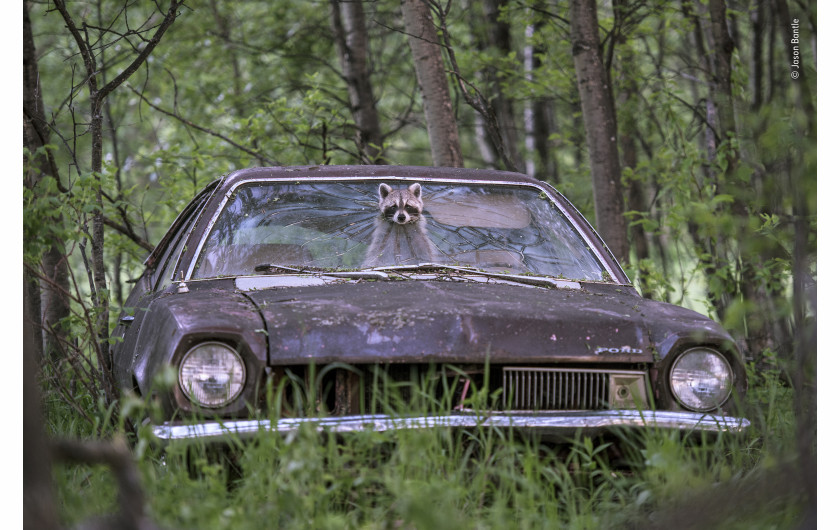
pixel 262 294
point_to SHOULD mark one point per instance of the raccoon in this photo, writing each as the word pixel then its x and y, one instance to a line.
pixel 401 206
pixel 400 235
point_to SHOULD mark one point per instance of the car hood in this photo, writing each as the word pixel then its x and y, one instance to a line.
pixel 462 322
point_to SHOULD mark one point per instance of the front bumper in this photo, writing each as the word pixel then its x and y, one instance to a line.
pixel 556 425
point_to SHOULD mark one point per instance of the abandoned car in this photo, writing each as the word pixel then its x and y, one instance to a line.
pixel 389 297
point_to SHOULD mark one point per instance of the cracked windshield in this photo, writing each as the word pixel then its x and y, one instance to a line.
pixel 365 224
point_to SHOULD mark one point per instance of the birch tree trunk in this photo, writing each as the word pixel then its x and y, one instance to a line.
pixel 600 124
pixel 428 64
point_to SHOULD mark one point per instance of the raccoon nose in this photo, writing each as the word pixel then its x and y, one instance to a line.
pixel 401 217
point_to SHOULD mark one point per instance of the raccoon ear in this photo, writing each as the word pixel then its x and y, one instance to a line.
pixel 416 190
pixel 384 190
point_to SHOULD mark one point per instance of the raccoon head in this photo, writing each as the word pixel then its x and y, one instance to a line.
pixel 401 206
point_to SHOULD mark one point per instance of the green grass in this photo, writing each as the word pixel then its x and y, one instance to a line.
pixel 437 479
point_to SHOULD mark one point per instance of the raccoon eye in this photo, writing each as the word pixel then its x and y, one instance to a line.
pixel 390 211
pixel 412 210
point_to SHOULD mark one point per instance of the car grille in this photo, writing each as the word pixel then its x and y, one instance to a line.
pixel 555 389
pixel 404 387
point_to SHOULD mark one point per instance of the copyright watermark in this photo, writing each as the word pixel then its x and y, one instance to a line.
pixel 794 45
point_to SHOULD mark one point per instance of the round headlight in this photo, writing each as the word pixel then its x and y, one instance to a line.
pixel 701 379
pixel 212 374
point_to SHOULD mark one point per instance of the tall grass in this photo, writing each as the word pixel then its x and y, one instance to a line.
pixel 487 478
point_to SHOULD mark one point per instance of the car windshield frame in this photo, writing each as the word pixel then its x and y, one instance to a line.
pixel 576 222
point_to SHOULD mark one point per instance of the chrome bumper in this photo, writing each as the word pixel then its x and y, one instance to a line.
pixel 558 425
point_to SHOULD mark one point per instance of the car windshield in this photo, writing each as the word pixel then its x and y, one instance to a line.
pixel 352 225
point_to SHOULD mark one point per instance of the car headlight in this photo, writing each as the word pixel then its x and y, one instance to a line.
pixel 701 379
pixel 212 374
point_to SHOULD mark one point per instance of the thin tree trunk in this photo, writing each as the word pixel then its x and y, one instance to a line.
pixel 599 122
pixel 628 132
pixel 428 64
pixel 758 20
pixel 716 262
pixel 498 36
pixel 724 46
pixel 543 124
pixel 774 73
pixel 698 42
pixel 472 95
pixel 98 96
pixel 529 122
pixel 48 303
pixel 759 328
pixel 801 176
pixel 764 331
pixel 39 506
pixel 802 82
pixel 805 346
pixel 223 27
pixel 31 285
pixel 351 40
pixel 485 147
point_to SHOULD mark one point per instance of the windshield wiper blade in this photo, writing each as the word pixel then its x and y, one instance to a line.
pixel 270 267
pixel 539 281
pixel 285 269
pixel 381 273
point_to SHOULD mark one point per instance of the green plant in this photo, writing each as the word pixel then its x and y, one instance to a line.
pixel 439 478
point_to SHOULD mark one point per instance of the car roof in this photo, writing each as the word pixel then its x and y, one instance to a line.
pixel 378 171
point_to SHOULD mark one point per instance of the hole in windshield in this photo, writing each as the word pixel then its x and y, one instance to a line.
pixel 363 224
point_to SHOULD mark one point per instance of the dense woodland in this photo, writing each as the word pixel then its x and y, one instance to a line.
pixel 685 131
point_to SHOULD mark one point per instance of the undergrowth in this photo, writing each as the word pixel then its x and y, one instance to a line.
pixel 440 479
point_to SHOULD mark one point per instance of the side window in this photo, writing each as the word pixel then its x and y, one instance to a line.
pixel 165 270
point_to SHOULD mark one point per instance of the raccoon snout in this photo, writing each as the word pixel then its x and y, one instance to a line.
pixel 401 218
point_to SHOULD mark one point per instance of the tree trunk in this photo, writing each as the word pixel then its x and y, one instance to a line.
pixel 98 222
pixel 540 122
pixel 39 506
pixel 722 71
pixel 628 132
pixel 805 345
pixel 544 126
pixel 428 64
pixel 758 23
pixel 223 21
pixel 696 41
pixel 529 65
pixel 351 40
pixel 599 122
pixel 715 262
pixel 98 96
pixel 802 82
pixel 497 35
pixel 49 302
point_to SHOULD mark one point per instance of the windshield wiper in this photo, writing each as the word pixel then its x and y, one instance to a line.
pixel 382 273
pixel 284 269
pixel 539 281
